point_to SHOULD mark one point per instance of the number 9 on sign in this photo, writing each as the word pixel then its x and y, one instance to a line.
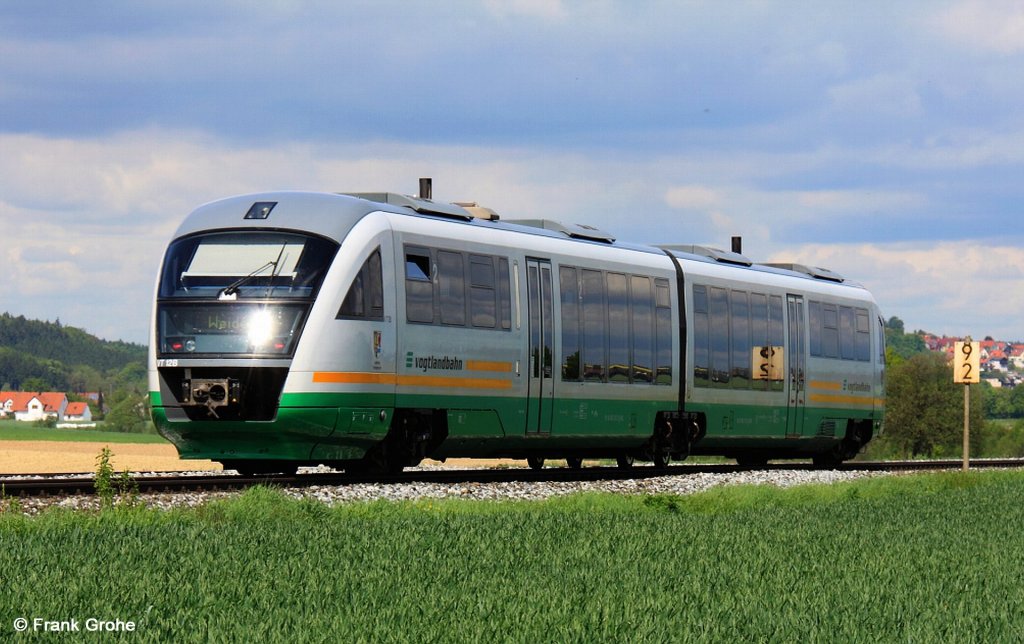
pixel 967 362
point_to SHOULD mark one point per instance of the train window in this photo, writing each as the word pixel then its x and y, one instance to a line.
pixel 419 290
pixel 452 287
pixel 642 307
pixel 719 322
pixel 482 292
pixel 504 294
pixel 701 363
pixel 739 315
pixel 863 336
pixel 881 342
pixel 847 334
pixel 775 336
pixel 663 332
pixel 741 353
pixel 365 298
pixel 618 328
pixel 569 298
pixel 593 326
pixel 814 326
pixel 759 328
pixel 829 331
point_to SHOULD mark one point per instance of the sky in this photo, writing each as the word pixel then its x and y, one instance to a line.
pixel 882 140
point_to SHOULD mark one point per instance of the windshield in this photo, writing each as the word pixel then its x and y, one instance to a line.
pixel 246 264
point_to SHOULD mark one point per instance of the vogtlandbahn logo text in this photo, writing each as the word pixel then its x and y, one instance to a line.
pixel 432 363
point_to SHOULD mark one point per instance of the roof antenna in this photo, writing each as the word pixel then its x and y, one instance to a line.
pixel 426 188
pixel 737 245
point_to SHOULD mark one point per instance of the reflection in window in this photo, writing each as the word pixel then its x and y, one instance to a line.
pixel 643 328
pixel 847 339
pixel 419 291
pixel 593 326
pixel 481 292
pixel 829 331
pixel 365 297
pixel 618 328
pixel 569 298
pixel 741 352
pixel 452 287
pixel 719 321
pixel 663 332
pixel 701 337
pixel 863 336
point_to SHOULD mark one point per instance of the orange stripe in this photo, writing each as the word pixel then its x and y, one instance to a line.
pixel 362 378
pixel 846 400
pixel 352 378
pixel 831 386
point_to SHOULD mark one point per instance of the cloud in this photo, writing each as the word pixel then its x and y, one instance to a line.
pixel 953 287
pixel 987 26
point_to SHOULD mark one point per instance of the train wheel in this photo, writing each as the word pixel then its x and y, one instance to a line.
pixel 625 462
pixel 662 457
pixel 574 462
pixel 535 462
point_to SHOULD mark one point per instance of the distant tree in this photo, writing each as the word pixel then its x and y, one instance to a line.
pixel 34 384
pixel 895 324
pixel 924 408
pixel 130 414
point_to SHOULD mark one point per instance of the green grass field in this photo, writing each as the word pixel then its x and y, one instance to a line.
pixel 920 558
pixel 12 430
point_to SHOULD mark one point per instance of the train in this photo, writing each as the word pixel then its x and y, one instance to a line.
pixel 369 331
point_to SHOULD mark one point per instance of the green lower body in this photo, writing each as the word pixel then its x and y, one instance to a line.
pixel 324 428
pixel 342 427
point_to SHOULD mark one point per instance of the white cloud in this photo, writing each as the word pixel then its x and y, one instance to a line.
pixel 985 25
pixel 692 197
pixel 887 95
pixel 947 287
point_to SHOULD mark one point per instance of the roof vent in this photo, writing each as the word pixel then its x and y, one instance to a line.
pixel 813 271
pixel 575 231
pixel 424 206
pixel 716 254
pixel 477 210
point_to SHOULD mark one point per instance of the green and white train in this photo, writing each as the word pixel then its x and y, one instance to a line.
pixel 370 331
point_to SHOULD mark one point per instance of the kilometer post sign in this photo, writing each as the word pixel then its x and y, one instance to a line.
pixel 966 371
pixel 967 363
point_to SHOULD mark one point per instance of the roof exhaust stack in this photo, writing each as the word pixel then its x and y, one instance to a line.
pixel 737 245
pixel 426 188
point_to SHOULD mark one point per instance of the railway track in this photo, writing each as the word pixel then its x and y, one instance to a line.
pixel 78 484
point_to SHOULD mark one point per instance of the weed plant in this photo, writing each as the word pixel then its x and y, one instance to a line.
pixel 921 558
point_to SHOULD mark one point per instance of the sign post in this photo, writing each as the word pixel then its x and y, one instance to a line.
pixel 967 370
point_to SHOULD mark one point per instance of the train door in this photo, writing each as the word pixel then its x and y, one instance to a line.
pixel 541 386
pixel 796 356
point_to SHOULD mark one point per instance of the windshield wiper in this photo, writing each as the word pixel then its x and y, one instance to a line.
pixel 231 289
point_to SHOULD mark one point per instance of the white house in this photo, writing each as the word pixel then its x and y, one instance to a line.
pixel 78 412
pixel 30 406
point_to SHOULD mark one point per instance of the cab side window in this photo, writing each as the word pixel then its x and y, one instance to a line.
pixel 365 297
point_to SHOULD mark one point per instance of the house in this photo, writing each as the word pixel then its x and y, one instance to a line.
pixel 31 406
pixel 78 412
pixel 1017 356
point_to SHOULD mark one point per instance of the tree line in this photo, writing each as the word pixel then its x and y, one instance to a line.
pixel 48 356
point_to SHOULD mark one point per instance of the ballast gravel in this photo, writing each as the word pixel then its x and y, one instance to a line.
pixel 679 484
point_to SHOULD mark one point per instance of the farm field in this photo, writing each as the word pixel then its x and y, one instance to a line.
pixel 934 557
pixel 26 449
